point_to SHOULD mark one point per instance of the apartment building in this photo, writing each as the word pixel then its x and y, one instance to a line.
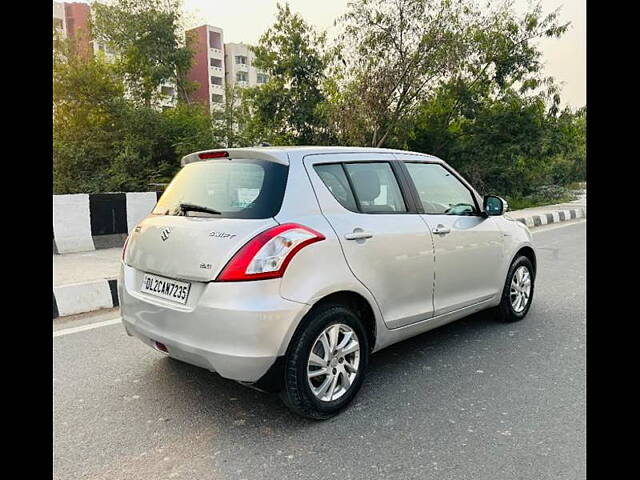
pixel 59 17
pixel 71 20
pixel 238 60
pixel 217 64
pixel 208 68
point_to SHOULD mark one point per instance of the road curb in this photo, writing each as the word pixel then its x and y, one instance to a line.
pixel 99 294
pixel 85 297
pixel 554 216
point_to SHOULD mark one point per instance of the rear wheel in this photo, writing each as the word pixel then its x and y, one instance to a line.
pixel 326 363
pixel 517 293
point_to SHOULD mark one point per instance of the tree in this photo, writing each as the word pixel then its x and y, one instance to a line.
pixel 287 109
pixel 103 141
pixel 399 53
pixel 231 124
pixel 148 37
pixel 567 142
pixel 151 143
pixel 88 98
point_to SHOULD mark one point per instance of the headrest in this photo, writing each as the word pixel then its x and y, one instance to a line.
pixel 367 184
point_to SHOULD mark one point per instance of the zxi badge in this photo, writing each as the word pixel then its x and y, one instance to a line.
pixel 165 234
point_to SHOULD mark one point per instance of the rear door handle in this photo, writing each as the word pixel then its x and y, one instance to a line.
pixel 441 229
pixel 358 235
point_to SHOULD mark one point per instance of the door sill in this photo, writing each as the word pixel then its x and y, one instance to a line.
pixel 443 315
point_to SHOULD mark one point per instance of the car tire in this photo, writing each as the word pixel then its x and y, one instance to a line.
pixel 509 310
pixel 297 393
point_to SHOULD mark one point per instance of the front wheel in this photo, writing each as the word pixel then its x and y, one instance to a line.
pixel 326 363
pixel 518 291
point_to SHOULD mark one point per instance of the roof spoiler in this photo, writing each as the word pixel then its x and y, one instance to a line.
pixel 249 153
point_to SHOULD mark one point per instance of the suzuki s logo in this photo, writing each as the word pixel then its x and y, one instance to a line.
pixel 165 234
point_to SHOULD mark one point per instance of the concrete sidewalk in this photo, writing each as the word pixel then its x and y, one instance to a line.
pixel 84 282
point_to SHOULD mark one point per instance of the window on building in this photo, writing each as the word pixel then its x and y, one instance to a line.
pixel 215 40
pixel 241 60
pixel 216 98
pixel 57 23
pixel 262 78
pixel 216 80
pixel 242 77
pixel 214 62
pixel 167 91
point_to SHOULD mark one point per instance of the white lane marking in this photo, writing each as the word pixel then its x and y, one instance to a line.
pixel 550 227
pixel 82 328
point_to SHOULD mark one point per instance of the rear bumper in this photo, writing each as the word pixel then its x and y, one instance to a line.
pixel 237 329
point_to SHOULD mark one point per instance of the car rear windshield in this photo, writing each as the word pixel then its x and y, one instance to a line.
pixel 234 188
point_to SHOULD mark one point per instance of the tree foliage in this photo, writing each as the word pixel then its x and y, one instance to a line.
pixel 148 37
pixel 453 78
pixel 104 141
pixel 287 109
pixel 399 53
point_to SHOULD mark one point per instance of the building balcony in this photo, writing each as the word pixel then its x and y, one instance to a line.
pixel 216 107
pixel 215 70
pixel 215 53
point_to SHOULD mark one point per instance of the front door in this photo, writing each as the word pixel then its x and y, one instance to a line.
pixel 468 244
pixel 384 240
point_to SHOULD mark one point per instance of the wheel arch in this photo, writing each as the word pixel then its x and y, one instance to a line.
pixel 353 300
pixel 528 252
pixel 273 379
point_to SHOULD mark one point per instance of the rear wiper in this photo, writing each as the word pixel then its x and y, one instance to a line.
pixel 190 207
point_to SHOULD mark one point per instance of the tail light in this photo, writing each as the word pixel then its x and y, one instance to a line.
pixel 268 254
pixel 124 248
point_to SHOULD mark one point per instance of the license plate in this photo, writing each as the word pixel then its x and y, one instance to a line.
pixel 166 288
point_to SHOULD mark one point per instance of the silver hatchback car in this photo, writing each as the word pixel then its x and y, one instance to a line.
pixel 285 268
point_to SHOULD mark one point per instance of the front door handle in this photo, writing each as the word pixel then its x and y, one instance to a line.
pixel 358 235
pixel 441 229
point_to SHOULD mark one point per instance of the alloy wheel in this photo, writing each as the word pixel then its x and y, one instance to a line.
pixel 333 362
pixel 520 290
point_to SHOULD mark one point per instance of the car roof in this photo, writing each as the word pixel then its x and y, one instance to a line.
pixel 281 154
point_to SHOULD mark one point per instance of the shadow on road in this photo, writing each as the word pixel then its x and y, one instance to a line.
pixel 230 404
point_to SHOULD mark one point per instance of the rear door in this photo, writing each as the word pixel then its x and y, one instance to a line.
pixel 384 240
pixel 468 245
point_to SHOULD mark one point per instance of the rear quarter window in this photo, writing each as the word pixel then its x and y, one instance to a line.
pixel 236 188
pixel 333 176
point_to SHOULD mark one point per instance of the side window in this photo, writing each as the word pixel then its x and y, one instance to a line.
pixel 376 187
pixel 440 191
pixel 336 181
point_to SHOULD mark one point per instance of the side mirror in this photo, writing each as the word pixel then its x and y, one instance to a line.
pixel 494 205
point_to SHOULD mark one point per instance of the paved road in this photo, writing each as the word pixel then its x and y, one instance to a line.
pixel 471 400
